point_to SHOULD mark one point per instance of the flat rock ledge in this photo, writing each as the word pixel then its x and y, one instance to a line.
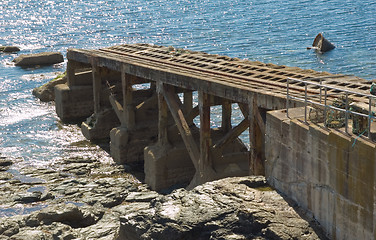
pixel 45 58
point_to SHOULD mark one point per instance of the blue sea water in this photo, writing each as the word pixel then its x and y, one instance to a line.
pixel 269 31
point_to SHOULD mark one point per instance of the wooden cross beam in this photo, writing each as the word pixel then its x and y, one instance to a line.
pixel 175 106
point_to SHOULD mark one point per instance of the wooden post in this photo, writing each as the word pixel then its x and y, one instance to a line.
pixel 97 85
pixel 175 106
pixel 255 139
pixel 162 119
pixel 71 72
pixel 205 163
pixel 188 100
pixel 226 115
pixel 129 114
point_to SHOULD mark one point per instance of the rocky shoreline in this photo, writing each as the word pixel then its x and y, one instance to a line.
pixel 84 198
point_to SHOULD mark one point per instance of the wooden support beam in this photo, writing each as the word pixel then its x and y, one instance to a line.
pixel 118 109
pixel 162 115
pixel 205 162
pixel 188 101
pixel 71 72
pixel 97 85
pixel 257 165
pixel 150 102
pixel 129 112
pixel 232 135
pixel 226 115
pixel 175 106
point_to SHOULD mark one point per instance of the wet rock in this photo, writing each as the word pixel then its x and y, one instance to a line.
pixel 9 49
pixel 45 58
pixel 28 197
pixel 46 92
pixel 5 164
pixel 8 228
pixel 69 214
pixel 232 208
pixel 141 196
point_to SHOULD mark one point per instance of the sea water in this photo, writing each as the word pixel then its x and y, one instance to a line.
pixel 275 31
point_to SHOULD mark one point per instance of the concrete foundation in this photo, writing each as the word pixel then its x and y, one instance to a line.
pixel 328 173
pixel 127 143
pixel 99 125
pixel 73 104
pixel 168 165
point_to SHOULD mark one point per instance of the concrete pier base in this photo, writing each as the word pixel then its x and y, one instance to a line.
pixel 99 125
pixel 73 104
pixel 170 164
pixel 128 145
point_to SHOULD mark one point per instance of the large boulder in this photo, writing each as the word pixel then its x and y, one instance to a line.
pixel 46 92
pixel 232 208
pixel 45 58
pixel 9 49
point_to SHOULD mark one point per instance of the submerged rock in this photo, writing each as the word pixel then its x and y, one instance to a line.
pixel 45 58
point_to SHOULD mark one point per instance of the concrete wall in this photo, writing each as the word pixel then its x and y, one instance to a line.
pixel 324 172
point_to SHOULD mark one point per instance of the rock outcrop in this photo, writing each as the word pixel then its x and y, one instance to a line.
pixel 9 49
pixel 46 92
pixel 45 58
pixel 82 198
pixel 232 208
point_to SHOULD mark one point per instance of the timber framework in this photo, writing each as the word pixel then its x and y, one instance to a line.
pixel 155 124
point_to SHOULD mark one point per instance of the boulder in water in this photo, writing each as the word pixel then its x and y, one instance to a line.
pixel 9 49
pixel 45 58
pixel 321 44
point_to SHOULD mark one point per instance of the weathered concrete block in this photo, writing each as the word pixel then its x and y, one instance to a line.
pixel 73 104
pixel 326 173
pixel 46 58
pixel 98 125
pixel 128 145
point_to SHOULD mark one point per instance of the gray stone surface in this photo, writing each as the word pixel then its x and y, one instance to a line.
pixel 232 208
pixel 45 58
pixel 108 202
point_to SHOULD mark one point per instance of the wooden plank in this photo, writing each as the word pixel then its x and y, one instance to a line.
pixel 162 115
pixel 175 106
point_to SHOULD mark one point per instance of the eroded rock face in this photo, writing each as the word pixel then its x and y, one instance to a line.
pixel 232 208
